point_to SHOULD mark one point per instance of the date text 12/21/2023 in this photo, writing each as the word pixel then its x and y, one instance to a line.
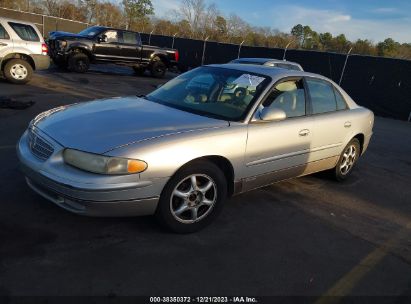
pixel 239 299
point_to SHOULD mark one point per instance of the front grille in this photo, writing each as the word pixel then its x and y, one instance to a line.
pixel 39 146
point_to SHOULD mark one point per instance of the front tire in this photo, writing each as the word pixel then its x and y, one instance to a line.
pixel 78 62
pixel 347 160
pixel 18 71
pixel 61 64
pixel 192 198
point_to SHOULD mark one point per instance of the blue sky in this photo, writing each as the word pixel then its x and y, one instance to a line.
pixel 372 19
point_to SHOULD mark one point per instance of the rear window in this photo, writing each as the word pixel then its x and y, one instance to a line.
pixel 3 33
pixel 25 31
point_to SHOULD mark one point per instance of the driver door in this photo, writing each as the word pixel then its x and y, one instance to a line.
pixel 107 46
pixel 278 150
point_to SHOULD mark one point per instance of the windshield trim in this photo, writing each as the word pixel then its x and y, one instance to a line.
pixel 242 118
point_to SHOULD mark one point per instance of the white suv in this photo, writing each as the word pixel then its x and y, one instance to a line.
pixel 22 50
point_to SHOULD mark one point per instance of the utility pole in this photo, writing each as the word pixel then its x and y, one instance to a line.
pixel 204 48
pixel 239 49
pixel 149 37
pixel 174 36
pixel 285 50
pixel 345 63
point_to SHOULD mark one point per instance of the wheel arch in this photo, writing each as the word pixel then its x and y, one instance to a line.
pixel 361 139
pixel 22 56
pixel 163 58
pixel 81 49
pixel 222 163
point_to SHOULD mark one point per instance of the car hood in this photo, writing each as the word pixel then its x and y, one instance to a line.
pixel 59 34
pixel 103 125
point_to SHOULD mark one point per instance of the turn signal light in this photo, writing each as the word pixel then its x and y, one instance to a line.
pixel 135 166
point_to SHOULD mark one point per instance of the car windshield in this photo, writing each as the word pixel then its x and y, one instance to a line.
pixel 216 92
pixel 91 31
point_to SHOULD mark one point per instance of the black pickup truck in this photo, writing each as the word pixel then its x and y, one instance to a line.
pixel 98 44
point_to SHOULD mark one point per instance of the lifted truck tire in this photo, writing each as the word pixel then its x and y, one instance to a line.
pixel 61 64
pixel 139 71
pixel 78 62
pixel 18 71
pixel 158 68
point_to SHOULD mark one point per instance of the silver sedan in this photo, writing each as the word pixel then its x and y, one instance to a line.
pixel 181 150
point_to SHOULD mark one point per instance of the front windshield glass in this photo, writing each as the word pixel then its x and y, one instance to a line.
pixel 212 91
pixel 91 31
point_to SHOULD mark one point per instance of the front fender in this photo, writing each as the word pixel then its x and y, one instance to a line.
pixel 88 47
pixel 165 155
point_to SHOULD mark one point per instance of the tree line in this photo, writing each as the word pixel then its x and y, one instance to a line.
pixel 197 20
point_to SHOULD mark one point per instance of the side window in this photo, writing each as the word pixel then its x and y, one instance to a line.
pixel 341 104
pixel 3 33
pixel 322 96
pixel 112 36
pixel 130 38
pixel 25 31
pixel 288 96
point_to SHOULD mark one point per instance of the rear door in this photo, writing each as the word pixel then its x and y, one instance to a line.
pixel 130 45
pixel 6 44
pixel 332 125
pixel 30 40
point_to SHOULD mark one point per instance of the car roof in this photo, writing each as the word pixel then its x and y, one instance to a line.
pixel 111 28
pixel 273 72
pixel 264 60
pixel 15 21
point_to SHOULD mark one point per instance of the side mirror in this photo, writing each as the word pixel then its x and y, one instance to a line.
pixel 103 38
pixel 272 114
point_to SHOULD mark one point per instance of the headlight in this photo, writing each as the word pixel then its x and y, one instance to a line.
pixel 62 44
pixel 103 164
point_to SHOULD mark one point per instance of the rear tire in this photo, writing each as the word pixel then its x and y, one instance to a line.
pixel 192 198
pixel 158 68
pixel 139 71
pixel 78 62
pixel 347 160
pixel 18 71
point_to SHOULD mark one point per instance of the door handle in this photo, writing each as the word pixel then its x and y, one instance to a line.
pixel 304 132
pixel 347 124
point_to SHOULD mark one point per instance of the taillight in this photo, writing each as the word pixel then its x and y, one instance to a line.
pixel 176 56
pixel 44 49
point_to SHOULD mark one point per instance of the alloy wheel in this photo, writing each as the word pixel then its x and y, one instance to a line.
pixel 193 198
pixel 348 159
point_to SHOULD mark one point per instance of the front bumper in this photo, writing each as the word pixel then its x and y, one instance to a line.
pixel 85 193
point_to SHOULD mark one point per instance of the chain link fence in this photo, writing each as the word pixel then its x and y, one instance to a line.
pixel 380 84
pixel 45 23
